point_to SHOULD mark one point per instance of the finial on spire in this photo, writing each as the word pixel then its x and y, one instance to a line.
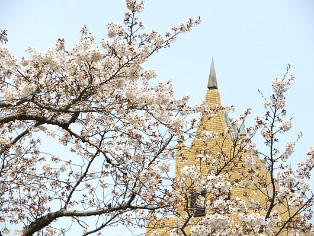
pixel 212 82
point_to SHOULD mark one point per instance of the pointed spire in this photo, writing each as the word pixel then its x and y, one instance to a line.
pixel 212 82
pixel 242 131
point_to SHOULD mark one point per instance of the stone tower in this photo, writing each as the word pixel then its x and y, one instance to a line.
pixel 226 157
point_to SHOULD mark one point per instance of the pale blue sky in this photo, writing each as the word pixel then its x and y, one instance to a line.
pixel 251 41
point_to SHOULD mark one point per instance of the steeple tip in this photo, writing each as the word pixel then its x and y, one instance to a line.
pixel 212 82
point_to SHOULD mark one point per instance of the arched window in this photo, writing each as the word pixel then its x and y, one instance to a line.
pixel 196 204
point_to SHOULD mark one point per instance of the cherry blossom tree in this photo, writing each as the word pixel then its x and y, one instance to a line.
pixel 97 101
pixel 121 133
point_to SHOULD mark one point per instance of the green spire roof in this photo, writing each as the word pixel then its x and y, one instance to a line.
pixel 212 82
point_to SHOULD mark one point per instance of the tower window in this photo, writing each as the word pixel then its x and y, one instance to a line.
pixel 197 203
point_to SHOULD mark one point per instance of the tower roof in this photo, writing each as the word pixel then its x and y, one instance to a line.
pixel 212 82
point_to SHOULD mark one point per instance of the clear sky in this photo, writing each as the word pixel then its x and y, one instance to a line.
pixel 251 41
